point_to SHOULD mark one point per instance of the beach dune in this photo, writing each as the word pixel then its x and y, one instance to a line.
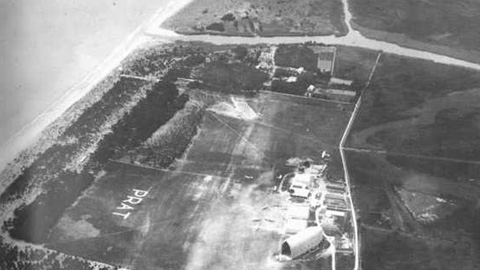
pixel 53 52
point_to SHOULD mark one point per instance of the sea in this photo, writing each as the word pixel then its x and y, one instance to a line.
pixel 46 46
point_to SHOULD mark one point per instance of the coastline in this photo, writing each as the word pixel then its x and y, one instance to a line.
pixel 23 142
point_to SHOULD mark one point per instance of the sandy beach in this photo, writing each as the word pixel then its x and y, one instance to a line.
pixel 54 52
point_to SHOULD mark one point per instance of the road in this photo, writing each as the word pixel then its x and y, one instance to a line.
pixel 345 167
pixel 149 30
pixel 353 38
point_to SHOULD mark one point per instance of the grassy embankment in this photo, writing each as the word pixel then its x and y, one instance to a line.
pixel 445 27
pixel 265 18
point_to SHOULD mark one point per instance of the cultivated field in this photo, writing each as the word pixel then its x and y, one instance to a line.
pixel 266 18
pixel 354 63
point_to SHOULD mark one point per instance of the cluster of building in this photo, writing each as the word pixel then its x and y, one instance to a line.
pixel 333 88
pixel 317 207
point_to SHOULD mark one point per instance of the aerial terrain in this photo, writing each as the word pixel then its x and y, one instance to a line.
pixel 262 135
pixel 444 26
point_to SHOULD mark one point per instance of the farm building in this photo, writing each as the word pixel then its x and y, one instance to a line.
pixel 335 94
pixel 338 81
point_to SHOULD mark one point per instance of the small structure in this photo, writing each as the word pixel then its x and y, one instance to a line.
pixel 318 168
pixel 299 190
pixel 302 179
pixel 335 213
pixel 294 226
pixel 310 90
pixel 300 185
pixel 291 79
pixel 338 81
pixel 302 242
pixel 336 94
pixel 298 211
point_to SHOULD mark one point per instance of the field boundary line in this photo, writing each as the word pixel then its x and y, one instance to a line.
pixel 296 133
pixel 306 98
pixel 386 152
pixel 164 170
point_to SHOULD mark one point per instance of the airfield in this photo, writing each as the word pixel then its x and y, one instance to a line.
pixel 216 207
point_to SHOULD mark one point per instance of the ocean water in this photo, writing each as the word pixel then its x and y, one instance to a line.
pixel 46 46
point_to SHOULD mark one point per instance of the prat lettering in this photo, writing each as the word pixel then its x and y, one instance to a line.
pixel 126 206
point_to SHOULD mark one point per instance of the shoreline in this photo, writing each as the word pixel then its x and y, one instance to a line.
pixel 32 133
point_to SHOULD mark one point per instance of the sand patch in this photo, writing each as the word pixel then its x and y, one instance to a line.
pixel 239 109
pixel 73 230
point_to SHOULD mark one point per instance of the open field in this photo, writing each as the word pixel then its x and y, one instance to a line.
pixel 107 125
pixel 154 234
pixel 413 160
pixel 142 175
pixel 445 26
pixel 285 125
pixel 410 218
pixel 266 18
pixel 354 63
pixel 214 208
pixel 420 108
pixel 391 251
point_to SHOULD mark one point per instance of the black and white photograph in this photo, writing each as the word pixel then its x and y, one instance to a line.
pixel 236 134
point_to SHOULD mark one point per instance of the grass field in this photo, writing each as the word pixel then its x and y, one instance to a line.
pixel 444 26
pixel 266 18
pixel 420 108
pixel 208 158
pixel 214 208
pixel 410 218
pixel 354 63
pixel 413 159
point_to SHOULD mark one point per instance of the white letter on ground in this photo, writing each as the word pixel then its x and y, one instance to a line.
pixel 125 216
pixel 133 200
pixel 125 206
pixel 140 193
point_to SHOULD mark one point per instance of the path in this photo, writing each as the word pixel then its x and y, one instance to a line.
pixel 353 38
pixel 391 153
pixel 149 29
pixel 345 168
